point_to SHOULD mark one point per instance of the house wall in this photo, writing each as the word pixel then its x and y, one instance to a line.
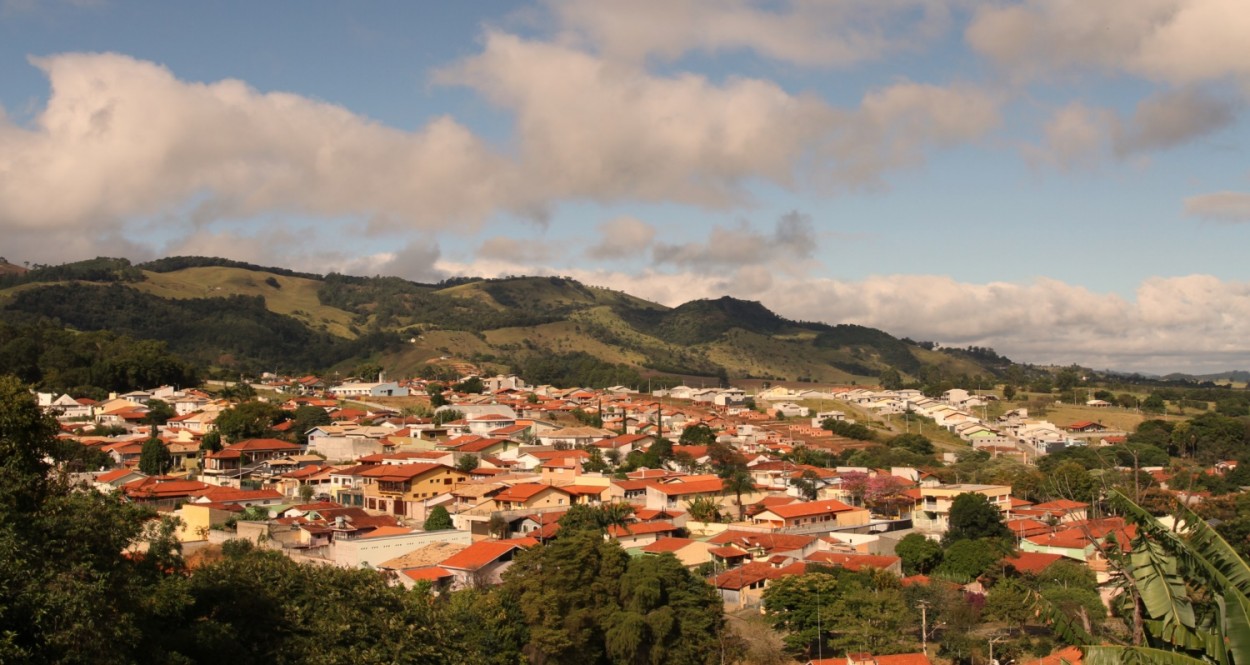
pixel 354 553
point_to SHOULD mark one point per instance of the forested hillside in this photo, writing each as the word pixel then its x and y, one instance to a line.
pixel 230 317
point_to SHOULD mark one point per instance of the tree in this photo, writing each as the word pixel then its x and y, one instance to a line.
pixel 159 412
pixel 1009 392
pixel 248 420
pixel 154 457
pixel 697 435
pixel 472 384
pixel 890 379
pixel 447 415
pixel 467 463
pixel 966 560
pixel 435 391
pixel 871 620
pixel 800 607
pixel 919 554
pixel 66 582
pixel 808 484
pixel 1071 481
pixel 917 443
pixel 739 482
pixel 438 520
pixel 1154 404
pixel 973 517
pixel 1010 602
pixel 306 492
pixel 306 418
pixel 210 442
pixel 703 509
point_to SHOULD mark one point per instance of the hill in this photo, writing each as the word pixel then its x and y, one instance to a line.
pixel 235 317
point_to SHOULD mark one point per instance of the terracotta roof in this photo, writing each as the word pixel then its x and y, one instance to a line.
pixel 1064 656
pixel 522 492
pixel 768 541
pixel 428 574
pixel 727 552
pixel 668 545
pixel 691 487
pixel 110 476
pixel 484 552
pixel 809 508
pixel 855 562
pixel 394 473
pixel 1061 504
pixel 1032 563
pixel 640 529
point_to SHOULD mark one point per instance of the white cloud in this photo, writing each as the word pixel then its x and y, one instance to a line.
pixel 1172 118
pixel 122 139
pixel 1220 206
pixel 513 249
pixel 1176 41
pixel 623 237
pixel 804 32
pixel 793 239
pixel 1080 135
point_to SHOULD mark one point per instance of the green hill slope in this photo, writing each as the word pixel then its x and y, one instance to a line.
pixel 241 317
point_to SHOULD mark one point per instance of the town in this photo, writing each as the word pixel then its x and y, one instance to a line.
pixel 442 486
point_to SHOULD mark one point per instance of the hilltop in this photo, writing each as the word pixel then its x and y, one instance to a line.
pixel 234 317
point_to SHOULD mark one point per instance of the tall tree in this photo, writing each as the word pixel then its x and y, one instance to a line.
pixel 154 458
pixel 973 517
pixel 248 420
pixel 438 520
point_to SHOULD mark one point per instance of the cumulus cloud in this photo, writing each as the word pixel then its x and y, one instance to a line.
pixel 623 237
pixel 803 32
pixel 1080 135
pixel 1220 206
pixel 1177 41
pixel 1173 118
pixel 122 139
pixel 793 238
pixel 513 249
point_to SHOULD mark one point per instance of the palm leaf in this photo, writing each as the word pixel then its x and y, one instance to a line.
pixel 1114 655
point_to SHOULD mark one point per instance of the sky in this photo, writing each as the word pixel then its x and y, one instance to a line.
pixel 1062 180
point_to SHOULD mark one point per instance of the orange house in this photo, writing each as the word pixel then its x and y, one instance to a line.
pixel 404 489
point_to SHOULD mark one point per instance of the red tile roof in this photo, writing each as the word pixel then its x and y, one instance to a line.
pixel 484 552
pixel 640 529
pixel 668 545
pixel 854 562
pixel 809 508
pixel 1032 563
pixel 522 492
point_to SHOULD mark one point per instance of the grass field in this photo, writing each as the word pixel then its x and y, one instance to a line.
pixel 296 296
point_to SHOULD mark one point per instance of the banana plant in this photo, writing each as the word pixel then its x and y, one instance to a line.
pixel 1194 594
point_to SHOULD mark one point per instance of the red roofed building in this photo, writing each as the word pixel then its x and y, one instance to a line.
pixel 830 512
pixel 641 533
pixel 163 492
pixel 1031 563
pixel 240 459
pixel 484 561
pixel 858 562
pixel 691 553
pixel 763 545
pixel 528 496
pixel 405 489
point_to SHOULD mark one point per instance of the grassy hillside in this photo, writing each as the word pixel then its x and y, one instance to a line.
pixel 239 315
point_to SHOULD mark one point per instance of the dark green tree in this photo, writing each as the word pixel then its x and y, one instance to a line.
pixel 159 412
pixel 919 554
pixel 248 420
pixel 306 418
pixel 210 442
pixel 973 517
pixel 697 435
pixel 467 463
pixel 438 520
pixel 917 443
pixel 154 458
pixel 966 560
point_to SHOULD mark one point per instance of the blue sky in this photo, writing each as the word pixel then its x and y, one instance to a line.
pixel 1065 182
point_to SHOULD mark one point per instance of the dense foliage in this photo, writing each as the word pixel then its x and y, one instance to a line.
pixel 236 331
pixel 89 364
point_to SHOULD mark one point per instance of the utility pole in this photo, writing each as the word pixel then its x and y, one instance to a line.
pixel 924 628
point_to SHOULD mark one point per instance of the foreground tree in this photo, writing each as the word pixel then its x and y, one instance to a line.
pixel 438 520
pixel 973 517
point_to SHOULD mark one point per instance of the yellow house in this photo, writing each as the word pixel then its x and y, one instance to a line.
pixel 527 496
pixel 933 510
pixel 404 489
